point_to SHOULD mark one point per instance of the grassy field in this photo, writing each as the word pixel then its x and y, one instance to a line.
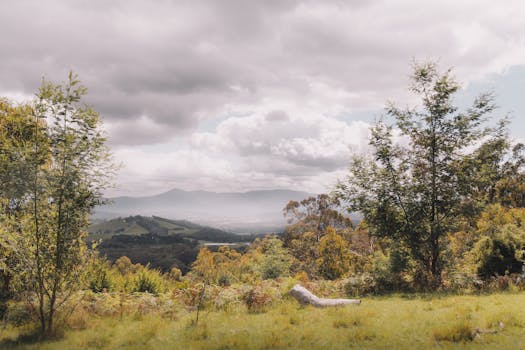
pixel 448 322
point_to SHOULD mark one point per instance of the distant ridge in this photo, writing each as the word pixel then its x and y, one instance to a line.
pixel 244 212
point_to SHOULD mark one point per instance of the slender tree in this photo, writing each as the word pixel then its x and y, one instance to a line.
pixel 414 187
pixel 70 166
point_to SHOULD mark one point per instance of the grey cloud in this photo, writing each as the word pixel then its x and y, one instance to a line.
pixel 180 62
pixel 276 116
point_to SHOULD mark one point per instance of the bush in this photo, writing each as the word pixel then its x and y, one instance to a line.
pixel 175 274
pixel 495 256
pixel 224 281
pixel 99 276
pixel 360 285
pixel 276 261
pixel 18 313
pixel 257 300
pixel 388 270
pixel 102 282
pixel 150 281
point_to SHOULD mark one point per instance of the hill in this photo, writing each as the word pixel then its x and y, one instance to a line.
pixel 241 212
pixel 158 241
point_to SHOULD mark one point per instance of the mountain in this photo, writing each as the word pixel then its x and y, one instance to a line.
pixel 242 212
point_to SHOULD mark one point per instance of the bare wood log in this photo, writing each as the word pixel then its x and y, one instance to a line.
pixel 304 296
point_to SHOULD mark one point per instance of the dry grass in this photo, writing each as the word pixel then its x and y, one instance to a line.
pixel 430 322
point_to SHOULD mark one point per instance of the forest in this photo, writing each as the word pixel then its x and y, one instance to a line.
pixel 440 244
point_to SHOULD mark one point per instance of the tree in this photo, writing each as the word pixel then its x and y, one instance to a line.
pixel 276 261
pixel 314 214
pixel 69 168
pixel 334 255
pixel 414 190
pixel 307 223
pixel 18 132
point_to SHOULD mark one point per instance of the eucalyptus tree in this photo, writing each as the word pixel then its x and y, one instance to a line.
pixel 413 187
pixel 69 168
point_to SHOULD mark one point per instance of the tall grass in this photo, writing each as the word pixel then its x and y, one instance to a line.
pixel 428 322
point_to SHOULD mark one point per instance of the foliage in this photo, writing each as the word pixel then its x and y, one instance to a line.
pixel 314 214
pixel 276 261
pixel 335 259
pixel 360 285
pixel 257 299
pixel 58 181
pixel 149 281
pixel 99 276
pixel 415 187
pixel 308 221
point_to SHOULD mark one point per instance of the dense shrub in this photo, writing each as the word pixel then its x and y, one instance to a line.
pixel 99 276
pixel 495 256
pixel 276 261
pixel 150 281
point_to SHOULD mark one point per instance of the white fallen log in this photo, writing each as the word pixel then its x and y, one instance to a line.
pixel 304 296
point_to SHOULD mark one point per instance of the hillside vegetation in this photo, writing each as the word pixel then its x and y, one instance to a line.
pixel 161 243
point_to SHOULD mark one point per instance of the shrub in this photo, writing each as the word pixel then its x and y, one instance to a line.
pixel 150 281
pixel 302 276
pixel 224 281
pixel 334 257
pixel 175 274
pixel 99 276
pixel 360 285
pixel 257 300
pixel 495 256
pixel 388 270
pixel 18 313
pixel 276 261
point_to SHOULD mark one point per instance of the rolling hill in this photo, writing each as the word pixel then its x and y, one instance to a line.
pixel 158 241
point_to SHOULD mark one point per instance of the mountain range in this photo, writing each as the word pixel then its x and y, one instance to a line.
pixel 240 212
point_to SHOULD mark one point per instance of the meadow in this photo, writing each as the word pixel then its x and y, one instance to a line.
pixel 412 321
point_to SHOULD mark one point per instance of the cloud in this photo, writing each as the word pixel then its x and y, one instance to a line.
pixel 272 78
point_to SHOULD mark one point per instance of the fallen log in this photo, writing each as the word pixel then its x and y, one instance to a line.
pixel 304 296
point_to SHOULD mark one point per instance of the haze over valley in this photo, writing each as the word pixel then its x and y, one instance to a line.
pixel 240 212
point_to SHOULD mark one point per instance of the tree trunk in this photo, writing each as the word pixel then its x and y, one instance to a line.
pixel 304 296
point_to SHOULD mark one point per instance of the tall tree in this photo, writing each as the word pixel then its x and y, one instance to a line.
pixel 413 188
pixel 69 170
pixel 18 131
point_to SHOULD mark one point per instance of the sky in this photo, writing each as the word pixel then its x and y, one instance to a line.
pixel 238 95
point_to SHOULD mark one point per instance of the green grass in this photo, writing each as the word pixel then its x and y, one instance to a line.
pixel 430 322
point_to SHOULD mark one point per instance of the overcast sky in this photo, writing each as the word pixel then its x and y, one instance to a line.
pixel 241 95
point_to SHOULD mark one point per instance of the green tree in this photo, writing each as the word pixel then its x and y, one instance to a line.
pixel 307 223
pixel 276 261
pixel 69 169
pixel 19 131
pixel 334 255
pixel 314 214
pixel 414 189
